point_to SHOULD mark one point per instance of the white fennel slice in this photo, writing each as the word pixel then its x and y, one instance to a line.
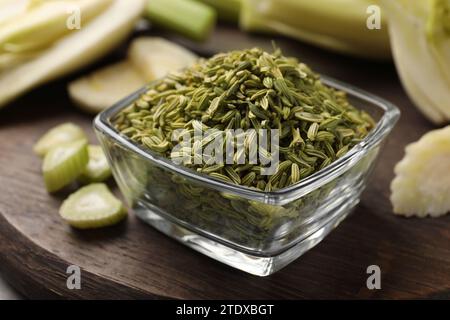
pixel 422 183
pixel 155 57
pixel 102 88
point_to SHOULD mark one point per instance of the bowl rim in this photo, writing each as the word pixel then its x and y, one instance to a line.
pixel 384 126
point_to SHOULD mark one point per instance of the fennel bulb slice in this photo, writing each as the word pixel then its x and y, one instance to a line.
pixel 420 39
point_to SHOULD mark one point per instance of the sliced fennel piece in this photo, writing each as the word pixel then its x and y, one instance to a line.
pixel 63 133
pixel 422 183
pixel 149 58
pixel 421 49
pixel 41 26
pixel 420 99
pixel 102 88
pixel 92 206
pixel 11 9
pixel 63 164
pixel 154 57
pixel 11 60
pixel 438 32
pixel 73 51
pixel 97 169
pixel 339 25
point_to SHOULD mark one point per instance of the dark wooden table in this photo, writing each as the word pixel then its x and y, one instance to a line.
pixel 132 260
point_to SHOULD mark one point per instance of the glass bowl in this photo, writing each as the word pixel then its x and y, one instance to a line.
pixel 254 231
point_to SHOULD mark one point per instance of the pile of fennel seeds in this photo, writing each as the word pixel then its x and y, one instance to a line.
pixel 250 89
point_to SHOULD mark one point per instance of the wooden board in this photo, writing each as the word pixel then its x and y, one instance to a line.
pixel 132 260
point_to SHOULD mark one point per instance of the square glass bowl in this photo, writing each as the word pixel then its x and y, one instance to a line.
pixel 254 231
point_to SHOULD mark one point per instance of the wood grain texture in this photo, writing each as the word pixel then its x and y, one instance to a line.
pixel 132 260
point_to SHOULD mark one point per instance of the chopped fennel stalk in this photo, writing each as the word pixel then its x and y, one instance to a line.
pixel 93 206
pixel 227 10
pixel 187 17
pixel 97 169
pixel 64 164
pixel 63 133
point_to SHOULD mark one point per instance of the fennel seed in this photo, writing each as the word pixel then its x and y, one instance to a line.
pixel 247 89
